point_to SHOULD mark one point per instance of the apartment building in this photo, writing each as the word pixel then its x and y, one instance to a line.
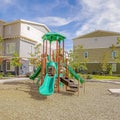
pixel 20 36
pixel 99 46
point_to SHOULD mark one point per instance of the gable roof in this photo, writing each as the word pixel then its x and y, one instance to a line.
pixel 98 33
pixel 1 21
pixel 28 22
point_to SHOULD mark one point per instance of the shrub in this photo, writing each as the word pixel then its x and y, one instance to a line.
pixel 1 75
pixel 28 74
pixel 89 76
pixel 10 74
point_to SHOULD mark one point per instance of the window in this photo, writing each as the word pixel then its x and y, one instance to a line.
pixel 10 48
pixel 9 67
pixel 28 28
pixel 113 54
pixel 85 54
pixel 114 67
pixel 1 68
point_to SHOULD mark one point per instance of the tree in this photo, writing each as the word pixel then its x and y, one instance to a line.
pixel 15 61
pixel 36 56
pixel 113 47
pixel 117 57
pixel 118 53
pixel 76 59
pixel 118 40
pixel 104 63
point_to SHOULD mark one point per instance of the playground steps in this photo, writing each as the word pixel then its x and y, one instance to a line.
pixel 69 83
pixel 50 72
pixel 72 90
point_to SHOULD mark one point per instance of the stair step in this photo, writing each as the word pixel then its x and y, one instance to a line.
pixel 73 86
pixel 72 90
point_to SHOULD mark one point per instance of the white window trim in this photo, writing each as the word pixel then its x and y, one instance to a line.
pixel 114 52
pixel 85 55
pixel 12 68
pixel 114 67
pixel 28 28
pixel 10 52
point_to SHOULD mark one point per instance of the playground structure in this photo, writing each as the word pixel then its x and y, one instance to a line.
pixel 50 72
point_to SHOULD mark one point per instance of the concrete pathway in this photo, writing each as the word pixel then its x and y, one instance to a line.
pixel 13 79
pixel 104 81
pixel 114 91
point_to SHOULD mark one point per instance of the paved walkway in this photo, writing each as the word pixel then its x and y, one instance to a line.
pixel 104 81
pixel 114 91
pixel 25 78
pixel 13 79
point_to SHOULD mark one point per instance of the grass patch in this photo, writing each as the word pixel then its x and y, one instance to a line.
pixel 105 77
pixel 100 77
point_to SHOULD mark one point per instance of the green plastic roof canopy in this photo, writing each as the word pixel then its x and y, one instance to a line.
pixel 53 36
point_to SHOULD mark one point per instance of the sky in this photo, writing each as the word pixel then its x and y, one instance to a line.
pixel 68 17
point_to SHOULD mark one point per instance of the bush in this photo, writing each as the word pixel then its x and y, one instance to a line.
pixel 1 75
pixel 9 74
pixel 28 74
pixel 89 77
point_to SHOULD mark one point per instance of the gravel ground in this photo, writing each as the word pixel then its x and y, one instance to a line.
pixel 21 101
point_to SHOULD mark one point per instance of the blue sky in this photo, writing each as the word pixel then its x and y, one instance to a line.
pixel 68 17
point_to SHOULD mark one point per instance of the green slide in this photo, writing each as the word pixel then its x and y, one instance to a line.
pixel 47 88
pixel 34 75
pixel 75 75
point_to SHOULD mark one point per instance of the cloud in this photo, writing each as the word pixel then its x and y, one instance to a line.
pixel 6 1
pixel 54 21
pixel 68 40
pixel 5 4
pixel 102 15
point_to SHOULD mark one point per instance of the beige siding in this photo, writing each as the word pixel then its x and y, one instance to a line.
pixel 96 42
pixel 40 28
pixel 96 55
pixel 96 68
pixel 11 41
pixel 1 28
pixel 25 49
pixel 1 31
pixel 11 30
pixel 33 33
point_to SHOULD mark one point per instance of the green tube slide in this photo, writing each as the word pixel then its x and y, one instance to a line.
pixel 47 88
pixel 75 75
pixel 36 73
